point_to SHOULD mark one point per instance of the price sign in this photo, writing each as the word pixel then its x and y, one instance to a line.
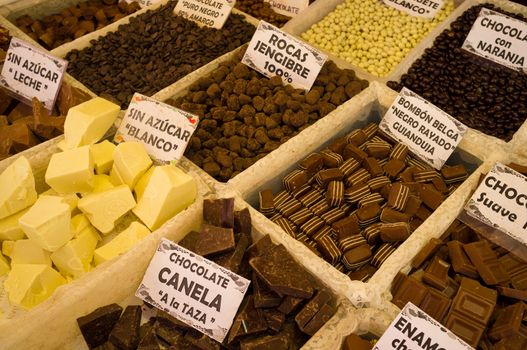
pixel 31 72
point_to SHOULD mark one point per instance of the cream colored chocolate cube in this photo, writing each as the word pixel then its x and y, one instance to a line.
pixel 169 191
pixel 17 188
pixel 130 162
pixel 87 123
pixel 71 171
pixel 27 251
pixel 103 209
pixel 47 222
pixel 9 227
pixel 102 154
pixel 74 258
pixel 123 242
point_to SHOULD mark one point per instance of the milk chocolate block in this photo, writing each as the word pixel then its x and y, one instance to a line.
pixel 219 212
pixel 125 334
pixel 394 232
pixel 274 318
pixel 460 261
pixel 435 304
pixel 507 322
pixel 290 304
pixel 431 197
pixel 436 274
pixel 295 179
pixel 282 273
pixel 189 241
pixel 398 196
pixel 512 293
pixel 260 247
pixel 486 262
pixel 270 342
pixel 354 342
pixel 242 223
pixel 454 173
pixel 97 326
pixel 214 240
pixel 517 270
pixel 409 290
pixel 232 260
pixel 426 252
pixel 321 317
pixel 312 163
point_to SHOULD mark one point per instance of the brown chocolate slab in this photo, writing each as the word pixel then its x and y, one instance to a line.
pixel 214 240
pixel 282 273
pixel 96 326
pixel 125 334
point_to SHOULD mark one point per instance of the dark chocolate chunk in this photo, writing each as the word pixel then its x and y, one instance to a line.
pixel 219 212
pixel 96 326
pixel 242 222
pixel 232 260
pixel 214 240
pixel 149 341
pixel 249 320
pixel 189 241
pixel 125 334
pixel 263 296
pixel 282 273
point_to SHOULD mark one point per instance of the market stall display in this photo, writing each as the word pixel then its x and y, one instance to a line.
pixel 332 221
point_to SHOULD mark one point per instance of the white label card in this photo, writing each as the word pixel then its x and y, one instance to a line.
pixel 499 38
pixel 210 13
pixel 164 130
pixel 289 8
pixel 500 202
pixel 417 8
pixel 193 289
pixel 274 52
pixel 429 132
pixel 31 72
pixel 413 329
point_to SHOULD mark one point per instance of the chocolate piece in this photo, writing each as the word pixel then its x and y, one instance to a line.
pixel 378 149
pixel 311 308
pixel 358 177
pixel 431 197
pixel 346 227
pixel 321 317
pixel 471 310
pixel 96 326
pixel 512 293
pixel 351 242
pixel 282 273
pixel 329 250
pixel 335 193
pixel 331 159
pixel 398 196
pixel 369 213
pixel 409 290
pixel 125 334
pixel 349 166
pixel 290 304
pixel 399 152
pixel 373 166
pixel 423 213
pixel 425 175
pixel 355 193
pixel 507 322
pixel 454 173
pixel 352 151
pixel 249 320
pixel 356 256
pixel 275 319
pixel 394 167
pixel 394 232
pixel 149 341
pixel 363 274
pixel 383 252
pixel 301 216
pixel 270 342
pixel 486 262
pixel 354 342
pixel 295 179
pixel 232 260
pixel 312 226
pixel 312 164
pixel 377 183
pixel 373 233
pixel 214 240
pixel 310 198
pixel 460 261
pixel 242 222
pixel 263 296
pixel 324 177
pixel 436 274
pixel 333 215
pixel 357 137
pixel 219 212
pixel 287 226
pixel 260 247
pixel 290 207
pixel 388 215
pixel 517 270
pixel 189 241
pixel 435 304
pixel 426 252
pixel 267 202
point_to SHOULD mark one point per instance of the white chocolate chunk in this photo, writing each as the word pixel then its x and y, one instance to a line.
pixel 103 209
pixel 30 284
pixel 123 242
pixel 71 171
pixel 169 191
pixel 102 154
pixel 9 227
pixel 130 162
pixel 74 258
pixel 101 183
pixel 26 251
pixel 88 122
pixel 70 198
pixel 17 188
pixel 47 222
